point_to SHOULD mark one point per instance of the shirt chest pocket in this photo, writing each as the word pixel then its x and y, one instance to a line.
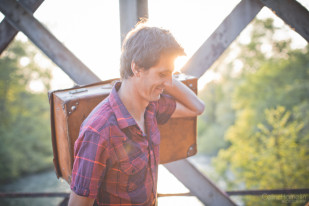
pixel 132 173
pixel 131 164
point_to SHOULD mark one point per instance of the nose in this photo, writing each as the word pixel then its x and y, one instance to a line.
pixel 168 81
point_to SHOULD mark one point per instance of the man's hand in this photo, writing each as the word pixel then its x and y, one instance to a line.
pixel 187 103
pixel 76 200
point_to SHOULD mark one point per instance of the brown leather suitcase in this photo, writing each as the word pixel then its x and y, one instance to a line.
pixel 69 108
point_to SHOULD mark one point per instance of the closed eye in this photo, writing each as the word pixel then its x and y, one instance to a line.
pixel 165 74
pixel 162 75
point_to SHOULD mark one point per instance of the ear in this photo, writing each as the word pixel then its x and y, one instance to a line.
pixel 135 69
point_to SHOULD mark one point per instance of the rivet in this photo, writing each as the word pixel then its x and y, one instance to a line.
pixel 191 150
pixel 73 108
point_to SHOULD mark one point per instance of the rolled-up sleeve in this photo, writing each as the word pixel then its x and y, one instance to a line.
pixel 89 168
pixel 165 107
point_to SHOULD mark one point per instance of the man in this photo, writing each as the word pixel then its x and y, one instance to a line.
pixel 117 151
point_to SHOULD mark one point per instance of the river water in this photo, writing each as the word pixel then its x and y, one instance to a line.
pixel 48 182
pixel 43 182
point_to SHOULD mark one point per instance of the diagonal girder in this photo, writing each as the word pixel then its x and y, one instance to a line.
pixel 198 184
pixel 222 37
pixel 7 31
pixel 24 21
pixel 292 13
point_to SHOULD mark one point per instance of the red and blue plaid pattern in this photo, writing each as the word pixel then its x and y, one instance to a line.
pixel 114 162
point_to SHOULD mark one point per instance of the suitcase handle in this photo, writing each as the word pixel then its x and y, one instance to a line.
pixel 76 91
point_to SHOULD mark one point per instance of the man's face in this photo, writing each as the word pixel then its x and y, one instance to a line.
pixel 152 82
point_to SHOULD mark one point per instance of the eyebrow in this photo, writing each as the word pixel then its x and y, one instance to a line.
pixel 168 70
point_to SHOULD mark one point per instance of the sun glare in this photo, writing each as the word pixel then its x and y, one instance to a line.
pixel 179 63
pixel 36 86
pixel 24 61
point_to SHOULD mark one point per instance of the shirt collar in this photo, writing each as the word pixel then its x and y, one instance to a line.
pixel 123 117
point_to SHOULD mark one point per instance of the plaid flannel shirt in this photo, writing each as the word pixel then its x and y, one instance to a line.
pixel 114 162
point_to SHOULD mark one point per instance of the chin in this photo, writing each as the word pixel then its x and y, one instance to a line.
pixel 155 98
pixel 158 97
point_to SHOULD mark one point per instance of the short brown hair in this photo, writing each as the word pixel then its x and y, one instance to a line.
pixel 144 45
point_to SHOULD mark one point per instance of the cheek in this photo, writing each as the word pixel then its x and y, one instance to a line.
pixel 150 89
pixel 150 83
pixel 147 87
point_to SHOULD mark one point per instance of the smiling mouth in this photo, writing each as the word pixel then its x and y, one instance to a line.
pixel 160 89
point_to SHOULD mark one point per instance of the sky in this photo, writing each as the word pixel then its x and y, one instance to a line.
pixel 92 31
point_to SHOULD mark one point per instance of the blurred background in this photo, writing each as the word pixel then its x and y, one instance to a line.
pixel 254 133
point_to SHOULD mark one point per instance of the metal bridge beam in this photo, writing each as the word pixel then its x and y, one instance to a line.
pixel 222 37
pixel 24 21
pixel 7 31
pixel 292 13
pixel 198 184
pixel 130 13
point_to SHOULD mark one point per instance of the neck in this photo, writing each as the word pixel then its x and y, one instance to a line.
pixel 132 100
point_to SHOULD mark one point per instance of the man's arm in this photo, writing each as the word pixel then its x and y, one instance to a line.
pixel 76 200
pixel 187 103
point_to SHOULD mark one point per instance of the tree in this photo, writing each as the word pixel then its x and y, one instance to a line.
pixel 269 137
pixel 218 115
pixel 24 119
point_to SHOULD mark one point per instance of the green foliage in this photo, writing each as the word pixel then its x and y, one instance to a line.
pixel 24 119
pixel 260 118
pixel 274 157
pixel 218 115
